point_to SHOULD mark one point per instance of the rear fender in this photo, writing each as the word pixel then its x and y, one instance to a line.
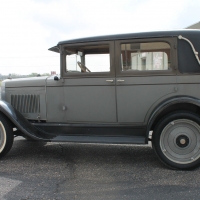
pixel 165 105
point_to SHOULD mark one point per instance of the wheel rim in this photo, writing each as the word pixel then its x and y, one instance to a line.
pixel 180 141
pixel 2 137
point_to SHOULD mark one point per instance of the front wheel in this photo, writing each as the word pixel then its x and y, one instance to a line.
pixel 6 136
pixel 176 140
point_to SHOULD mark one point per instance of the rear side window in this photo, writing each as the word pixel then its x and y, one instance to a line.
pixel 145 56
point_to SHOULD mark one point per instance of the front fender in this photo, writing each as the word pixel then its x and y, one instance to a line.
pixel 167 103
pixel 22 123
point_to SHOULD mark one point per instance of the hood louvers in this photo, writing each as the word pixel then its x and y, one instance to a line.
pixel 28 103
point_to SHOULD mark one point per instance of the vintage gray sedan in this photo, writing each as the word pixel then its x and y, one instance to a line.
pixel 114 89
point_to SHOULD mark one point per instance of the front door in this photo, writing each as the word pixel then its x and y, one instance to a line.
pixel 89 83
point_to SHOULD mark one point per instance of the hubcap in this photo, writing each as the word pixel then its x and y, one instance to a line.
pixel 180 141
pixel 2 137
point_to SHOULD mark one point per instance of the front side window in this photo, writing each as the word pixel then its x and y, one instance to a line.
pixel 145 56
pixel 88 59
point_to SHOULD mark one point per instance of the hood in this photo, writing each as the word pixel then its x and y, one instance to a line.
pixel 25 82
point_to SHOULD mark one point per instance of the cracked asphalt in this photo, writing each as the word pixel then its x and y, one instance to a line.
pixel 65 171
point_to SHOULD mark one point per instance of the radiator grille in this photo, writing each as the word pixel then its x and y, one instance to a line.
pixel 29 103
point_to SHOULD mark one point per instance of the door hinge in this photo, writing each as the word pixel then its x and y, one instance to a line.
pixel 175 46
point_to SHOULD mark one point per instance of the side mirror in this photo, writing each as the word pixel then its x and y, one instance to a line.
pixel 56 78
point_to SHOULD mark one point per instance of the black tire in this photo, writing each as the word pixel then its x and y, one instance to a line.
pixel 176 140
pixel 6 136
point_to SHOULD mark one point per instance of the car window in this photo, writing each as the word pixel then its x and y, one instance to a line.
pixel 88 59
pixel 145 56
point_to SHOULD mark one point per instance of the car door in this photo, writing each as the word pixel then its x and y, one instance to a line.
pixel 89 83
pixel 145 76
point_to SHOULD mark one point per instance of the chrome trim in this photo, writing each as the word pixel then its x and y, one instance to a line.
pixel 110 81
pixel 180 37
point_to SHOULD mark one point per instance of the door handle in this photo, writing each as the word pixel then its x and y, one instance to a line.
pixel 120 80
pixel 111 81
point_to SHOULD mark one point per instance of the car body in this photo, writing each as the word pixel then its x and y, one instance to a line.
pixel 114 89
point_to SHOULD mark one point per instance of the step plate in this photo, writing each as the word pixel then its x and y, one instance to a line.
pixel 99 139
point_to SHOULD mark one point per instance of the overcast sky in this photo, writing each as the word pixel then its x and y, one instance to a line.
pixel 29 27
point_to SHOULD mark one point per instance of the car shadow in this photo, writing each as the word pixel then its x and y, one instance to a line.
pixel 135 155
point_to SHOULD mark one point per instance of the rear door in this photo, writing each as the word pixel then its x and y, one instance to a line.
pixel 145 76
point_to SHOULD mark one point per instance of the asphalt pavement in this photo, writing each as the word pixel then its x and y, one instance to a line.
pixel 67 171
pixel 70 171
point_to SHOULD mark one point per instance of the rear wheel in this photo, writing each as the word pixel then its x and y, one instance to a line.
pixel 176 140
pixel 6 136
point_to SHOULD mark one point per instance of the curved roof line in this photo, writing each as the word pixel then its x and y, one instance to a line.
pixel 173 33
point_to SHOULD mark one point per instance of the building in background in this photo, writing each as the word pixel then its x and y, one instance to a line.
pixel 148 56
pixel 145 56
pixel 53 72
pixel 194 26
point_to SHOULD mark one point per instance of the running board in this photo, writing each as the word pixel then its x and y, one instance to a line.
pixel 100 139
pixel 113 134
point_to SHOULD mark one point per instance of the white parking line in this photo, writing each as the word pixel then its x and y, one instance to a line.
pixel 8 185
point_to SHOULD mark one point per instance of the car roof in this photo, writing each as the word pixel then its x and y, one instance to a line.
pixel 174 33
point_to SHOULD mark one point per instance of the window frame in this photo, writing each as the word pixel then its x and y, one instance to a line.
pixel 173 55
pixel 92 74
